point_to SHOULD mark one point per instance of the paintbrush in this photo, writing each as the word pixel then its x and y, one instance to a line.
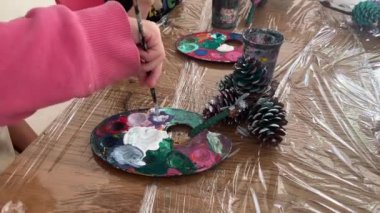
pixel 250 15
pixel 145 47
pixel 228 111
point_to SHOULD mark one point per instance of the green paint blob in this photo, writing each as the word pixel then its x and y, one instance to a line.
pixel 156 160
pixel 183 117
pixel 214 142
pixel 191 40
pixel 159 161
pixel 219 37
pixel 210 44
pixel 171 3
pixel 180 162
pixel 187 47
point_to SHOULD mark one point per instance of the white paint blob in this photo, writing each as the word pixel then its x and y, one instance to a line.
pixel 145 138
pixel 160 118
pixel 128 154
pixel 225 48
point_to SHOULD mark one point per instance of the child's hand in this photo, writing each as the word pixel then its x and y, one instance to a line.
pixel 152 59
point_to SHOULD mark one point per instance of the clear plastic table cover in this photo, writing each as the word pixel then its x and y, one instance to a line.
pixel 329 161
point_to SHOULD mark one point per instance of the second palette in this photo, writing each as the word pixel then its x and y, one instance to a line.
pixel 212 46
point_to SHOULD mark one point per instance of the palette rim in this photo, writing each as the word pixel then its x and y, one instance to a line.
pixel 199 144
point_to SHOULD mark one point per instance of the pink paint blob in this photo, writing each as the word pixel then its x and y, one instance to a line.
pixel 215 56
pixel 203 157
pixel 131 170
pixel 233 56
pixel 173 172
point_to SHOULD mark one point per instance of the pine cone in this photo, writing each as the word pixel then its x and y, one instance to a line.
pixel 366 14
pixel 226 83
pixel 250 76
pixel 266 121
pixel 272 90
pixel 269 93
pixel 227 97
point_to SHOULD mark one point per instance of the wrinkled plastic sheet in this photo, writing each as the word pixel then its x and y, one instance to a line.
pixel 329 161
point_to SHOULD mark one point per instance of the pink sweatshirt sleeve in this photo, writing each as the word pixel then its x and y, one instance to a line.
pixel 80 4
pixel 54 54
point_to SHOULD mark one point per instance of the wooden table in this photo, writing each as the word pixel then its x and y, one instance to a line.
pixel 329 160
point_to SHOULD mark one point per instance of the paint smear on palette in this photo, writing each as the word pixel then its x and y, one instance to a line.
pixel 212 46
pixel 138 142
pixel 145 138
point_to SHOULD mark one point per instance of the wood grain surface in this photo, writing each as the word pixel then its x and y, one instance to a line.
pixel 328 162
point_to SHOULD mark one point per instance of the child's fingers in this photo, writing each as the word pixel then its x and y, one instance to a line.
pixel 151 65
pixel 142 76
pixel 152 78
pixel 151 55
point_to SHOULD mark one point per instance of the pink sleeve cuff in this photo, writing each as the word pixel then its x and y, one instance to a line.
pixel 80 4
pixel 114 50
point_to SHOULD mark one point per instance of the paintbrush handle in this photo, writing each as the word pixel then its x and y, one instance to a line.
pixel 209 122
pixel 250 15
pixel 153 94
pixel 145 47
pixel 140 27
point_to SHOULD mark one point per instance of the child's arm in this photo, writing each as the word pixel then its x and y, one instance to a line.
pixel 144 5
pixel 54 54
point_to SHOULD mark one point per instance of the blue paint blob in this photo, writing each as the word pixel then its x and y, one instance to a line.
pixel 201 52
pixel 236 36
